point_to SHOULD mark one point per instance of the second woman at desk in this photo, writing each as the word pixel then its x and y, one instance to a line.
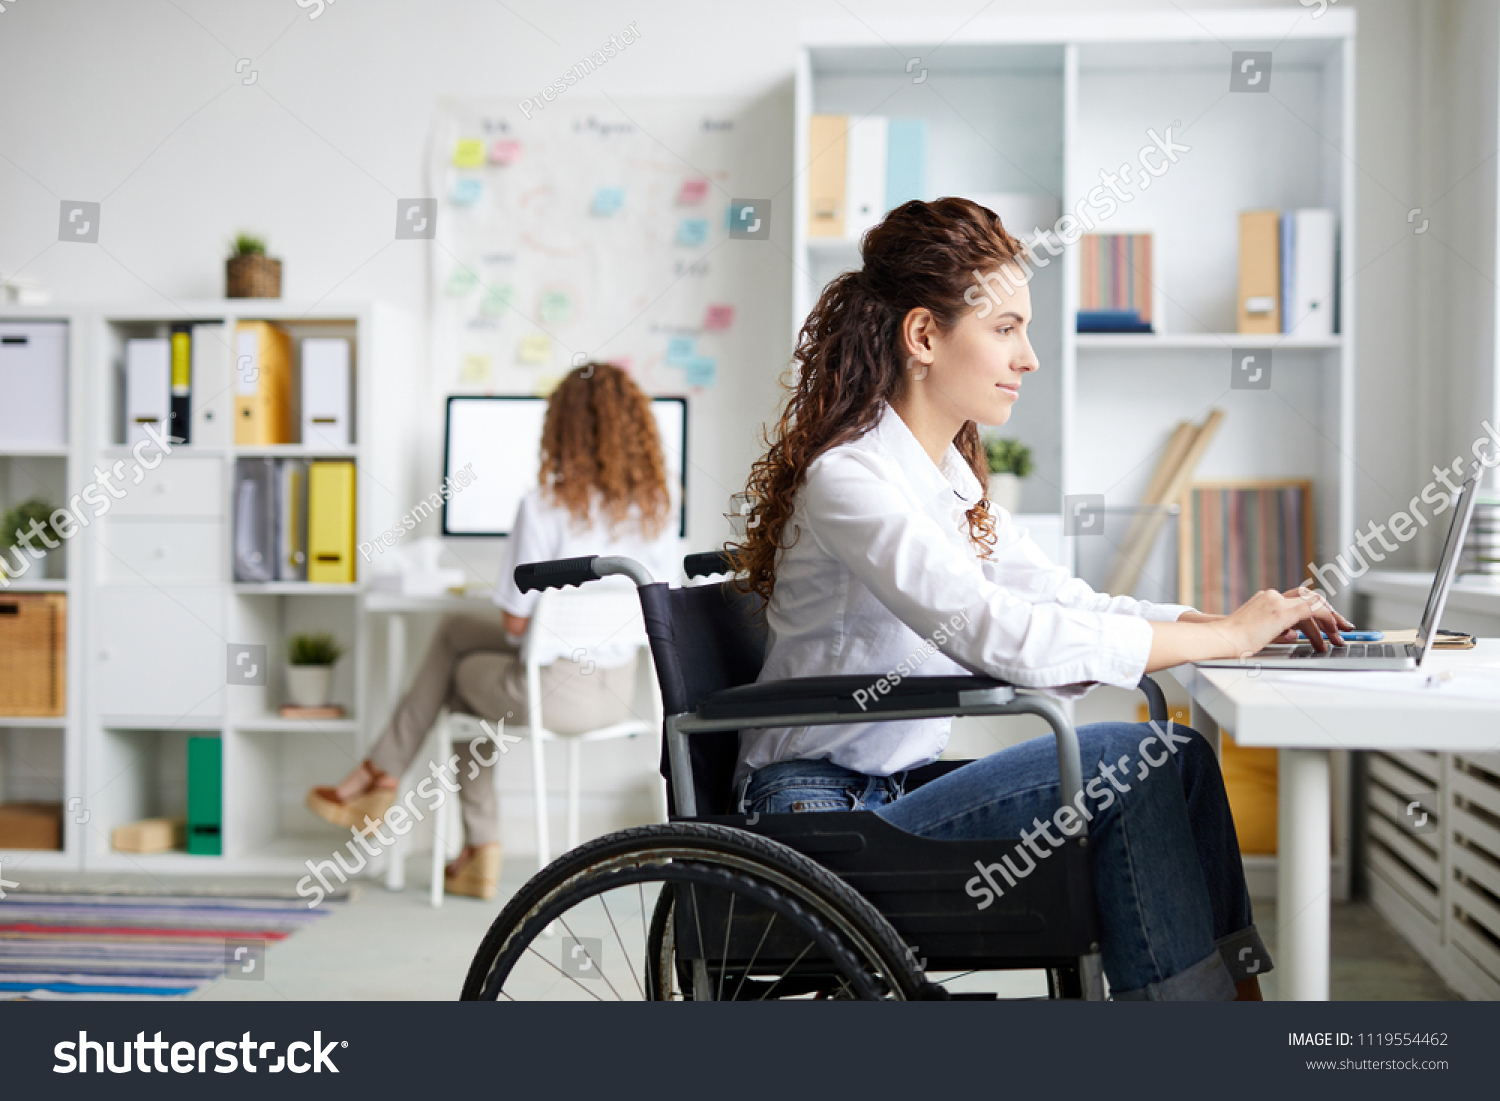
pixel 603 490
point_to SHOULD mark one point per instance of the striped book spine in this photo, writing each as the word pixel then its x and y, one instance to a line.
pixel 1244 539
pixel 1115 272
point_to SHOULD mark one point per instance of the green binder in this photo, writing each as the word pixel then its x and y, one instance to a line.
pixel 205 796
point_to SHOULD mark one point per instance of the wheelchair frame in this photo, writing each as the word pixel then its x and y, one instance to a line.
pixel 1048 920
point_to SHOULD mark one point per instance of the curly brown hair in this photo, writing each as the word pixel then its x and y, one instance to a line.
pixel 599 434
pixel 849 358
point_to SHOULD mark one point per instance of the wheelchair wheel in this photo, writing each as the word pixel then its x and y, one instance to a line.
pixel 689 911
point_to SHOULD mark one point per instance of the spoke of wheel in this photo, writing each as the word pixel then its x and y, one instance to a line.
pixel 960 975
pixel 623 954
pixel 563 973
pixel 751 965
pixel 698 922
pixel 789 967
pixel 578 943
pixel 724 955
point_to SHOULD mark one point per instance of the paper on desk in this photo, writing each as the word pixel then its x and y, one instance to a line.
pixel 1475 682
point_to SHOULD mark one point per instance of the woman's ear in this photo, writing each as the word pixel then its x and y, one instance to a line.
pixel 917 330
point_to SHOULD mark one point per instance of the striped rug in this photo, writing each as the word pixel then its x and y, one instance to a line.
pixel 128 946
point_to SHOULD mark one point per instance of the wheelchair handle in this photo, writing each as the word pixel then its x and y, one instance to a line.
pixel 559 573
pixel 707 563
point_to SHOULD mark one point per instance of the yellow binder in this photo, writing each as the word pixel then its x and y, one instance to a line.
pixel 1260 272
pixel 262 384
pixel 330 522
pixel 827 141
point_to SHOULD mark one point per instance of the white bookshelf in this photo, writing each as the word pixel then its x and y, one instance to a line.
pixel 1039 104
pixel 162 605
pixel 41 758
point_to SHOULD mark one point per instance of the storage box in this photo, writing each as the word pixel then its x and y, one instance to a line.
pixel 33 653
pixel 150 835
pixel 30 825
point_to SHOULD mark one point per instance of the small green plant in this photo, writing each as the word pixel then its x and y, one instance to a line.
pixel 313 649
pixel 17 522
pixel 1008 457
pixel 247 244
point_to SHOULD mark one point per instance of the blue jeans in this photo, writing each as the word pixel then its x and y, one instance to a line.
pixel 1169 883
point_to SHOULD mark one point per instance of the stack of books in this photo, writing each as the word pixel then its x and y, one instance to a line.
pixel 1481 553
pixel 1115 296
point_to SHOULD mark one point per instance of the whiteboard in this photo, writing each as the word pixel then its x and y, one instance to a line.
pixel 499 437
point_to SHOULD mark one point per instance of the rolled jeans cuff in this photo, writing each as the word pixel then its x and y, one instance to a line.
pixel 1205 981
pixel 1244 953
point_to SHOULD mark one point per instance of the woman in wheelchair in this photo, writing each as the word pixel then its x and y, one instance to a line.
pixel 603 490
pixel 871 544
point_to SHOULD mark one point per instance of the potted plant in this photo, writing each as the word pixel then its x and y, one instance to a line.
pixel 249 272
pixel 310 659
pixel 18 522
pixel 1010 461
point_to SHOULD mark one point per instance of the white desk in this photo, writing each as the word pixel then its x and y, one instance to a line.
pixel 1304 722
pixel 396 607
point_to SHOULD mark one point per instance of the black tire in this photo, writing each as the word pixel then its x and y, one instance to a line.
pixel 806 888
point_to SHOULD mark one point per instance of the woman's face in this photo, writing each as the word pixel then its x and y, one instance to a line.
pixel 973 371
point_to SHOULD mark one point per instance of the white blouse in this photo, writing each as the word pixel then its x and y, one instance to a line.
pixel 545 530
pixel 881 576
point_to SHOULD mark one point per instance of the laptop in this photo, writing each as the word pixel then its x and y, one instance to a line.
pixel 1379 655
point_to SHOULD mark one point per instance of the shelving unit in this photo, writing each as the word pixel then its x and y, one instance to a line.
pixel 40 756
pixel 1044 104
pixel 163 608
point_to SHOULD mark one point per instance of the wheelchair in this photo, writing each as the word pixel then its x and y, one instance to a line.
pixel 714 905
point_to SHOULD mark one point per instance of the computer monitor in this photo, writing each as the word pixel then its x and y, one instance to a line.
pixel 501 436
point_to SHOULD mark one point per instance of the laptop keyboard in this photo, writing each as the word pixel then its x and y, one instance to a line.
pixel 1353 650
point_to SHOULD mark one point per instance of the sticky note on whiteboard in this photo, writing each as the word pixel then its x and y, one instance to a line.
pixel 536 349
pixel 607 200
pixel 556 307
pixel 692 191
pixel 505 151
pixel 461 281
pixel 496 301
pixel 718 317
pixel 466 191
pixel 701 371
pixel 692 231
pixel 680 351
pixel 476 369
pixel 468 153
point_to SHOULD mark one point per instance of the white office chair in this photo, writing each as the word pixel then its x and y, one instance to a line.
pixel 578 621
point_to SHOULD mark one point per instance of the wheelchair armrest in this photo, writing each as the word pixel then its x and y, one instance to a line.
pixel 854 695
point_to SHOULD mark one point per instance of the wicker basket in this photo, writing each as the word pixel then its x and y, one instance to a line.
pixel 33 654
pixel 252 276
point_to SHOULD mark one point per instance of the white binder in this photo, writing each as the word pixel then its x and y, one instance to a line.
pixel 291 520
pixel 326 384
pixel 865 184
pixel 148 388
pixel 34 380
pixel 1312 266
pixel 212 387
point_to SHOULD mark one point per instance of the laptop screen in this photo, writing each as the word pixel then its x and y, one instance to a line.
pixel 1441 580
